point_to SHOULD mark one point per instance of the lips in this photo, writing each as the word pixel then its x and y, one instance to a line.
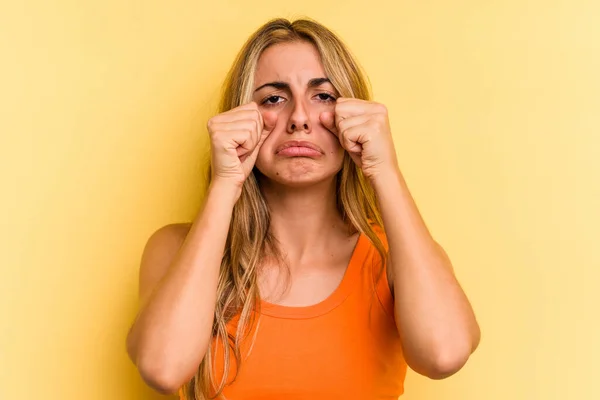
pixel 296 148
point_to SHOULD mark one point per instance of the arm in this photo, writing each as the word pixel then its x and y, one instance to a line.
pixel 178 285
pixel 180 271
pixel 436 323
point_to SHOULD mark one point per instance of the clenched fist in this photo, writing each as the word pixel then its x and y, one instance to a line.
pixel 236 137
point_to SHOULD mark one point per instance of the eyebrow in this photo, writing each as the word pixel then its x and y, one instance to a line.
pixel 315 82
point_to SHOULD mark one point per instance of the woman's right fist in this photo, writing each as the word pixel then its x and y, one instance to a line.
pixel 235 139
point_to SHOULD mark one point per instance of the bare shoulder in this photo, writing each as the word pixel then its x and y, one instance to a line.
pixel 175 231
pixel 158 254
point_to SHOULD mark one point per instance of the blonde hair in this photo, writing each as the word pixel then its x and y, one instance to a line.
pixel 249 237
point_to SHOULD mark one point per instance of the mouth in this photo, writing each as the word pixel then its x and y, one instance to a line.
pixel 296 148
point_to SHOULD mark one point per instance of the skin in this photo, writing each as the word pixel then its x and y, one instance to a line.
pixel 300 191
pixel 179 268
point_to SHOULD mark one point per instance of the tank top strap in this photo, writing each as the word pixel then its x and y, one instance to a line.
pixel 379 273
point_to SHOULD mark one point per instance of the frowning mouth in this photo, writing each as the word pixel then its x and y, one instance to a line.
pixel 296 148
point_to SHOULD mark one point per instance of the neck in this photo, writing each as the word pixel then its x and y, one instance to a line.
pixel 303 219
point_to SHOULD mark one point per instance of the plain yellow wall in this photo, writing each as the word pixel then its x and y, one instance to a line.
pixel 495 109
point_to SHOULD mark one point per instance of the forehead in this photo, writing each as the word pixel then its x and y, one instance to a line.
pixel 294 63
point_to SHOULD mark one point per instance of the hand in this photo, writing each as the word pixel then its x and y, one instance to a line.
pixel 236 137
pixel 363 130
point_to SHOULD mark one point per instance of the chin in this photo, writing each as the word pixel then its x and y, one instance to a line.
pixel 298 172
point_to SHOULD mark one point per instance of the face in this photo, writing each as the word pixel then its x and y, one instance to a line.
pixel 290 81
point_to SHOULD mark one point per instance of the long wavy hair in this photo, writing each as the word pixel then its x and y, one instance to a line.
pixel 249 238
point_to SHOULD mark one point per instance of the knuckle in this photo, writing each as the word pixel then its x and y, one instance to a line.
pixel 381 108
pixel 251 126
pixel 258 118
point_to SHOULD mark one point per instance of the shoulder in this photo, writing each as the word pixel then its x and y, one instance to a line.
pixel 170 233
pixel 164 242
pixel 378 229
pixel 377 244
pixel 379 271
pixel 160 250
pixel 380 233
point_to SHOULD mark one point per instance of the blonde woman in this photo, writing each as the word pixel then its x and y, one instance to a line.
pixel 308 273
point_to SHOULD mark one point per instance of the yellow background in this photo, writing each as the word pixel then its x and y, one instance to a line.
pixel 495 110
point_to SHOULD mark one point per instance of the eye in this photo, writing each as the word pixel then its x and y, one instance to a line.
pixel 325 97
pixel 272 100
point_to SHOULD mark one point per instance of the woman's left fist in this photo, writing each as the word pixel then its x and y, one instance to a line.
pixel 363 130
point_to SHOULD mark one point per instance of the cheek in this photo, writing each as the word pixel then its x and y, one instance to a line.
pixel 332 145
pixel 325 139
pixel 265 153
pixel 268 146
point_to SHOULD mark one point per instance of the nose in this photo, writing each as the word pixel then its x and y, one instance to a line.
pixel 299 119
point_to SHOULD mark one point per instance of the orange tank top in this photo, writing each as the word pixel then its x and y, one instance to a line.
pixel 345 347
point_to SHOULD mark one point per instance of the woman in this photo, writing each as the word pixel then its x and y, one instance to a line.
pixel 287 285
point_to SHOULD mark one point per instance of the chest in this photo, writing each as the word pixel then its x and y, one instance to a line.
pixel 350 352
pixel 300 286
pixel 307 281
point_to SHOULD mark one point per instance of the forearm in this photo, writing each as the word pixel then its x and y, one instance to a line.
pixel 173 329
pixel 434 318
